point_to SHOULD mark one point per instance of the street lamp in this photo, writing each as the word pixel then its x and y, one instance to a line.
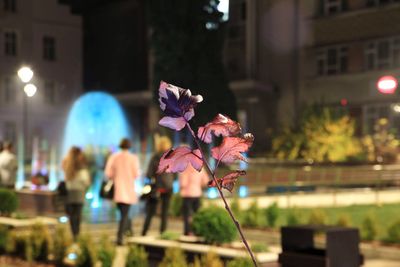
pixel 25 74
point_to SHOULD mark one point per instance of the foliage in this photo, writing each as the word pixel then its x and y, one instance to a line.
pixel 323 136
pixel 272 214
pixel 191 54
pixel 344 221
pixel 293 217
pixel 175 207
pixel 4 232
pixel 259 247
pixel 87 252
pixel 215 225
pixel 137 257
pixel 106 252
pixel 252 216
pixel 236 209
pixel 8 201
pixel 385 142
pixel 211 259
pixel 61 241
pixel 169 235
pixel 240 262
pixel 19 245
pixel 173 257
pixel 40 242
pixel 393 232
pixel 369 228
pixel 317 217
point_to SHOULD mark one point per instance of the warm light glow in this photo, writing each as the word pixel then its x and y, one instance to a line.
pixel 387 85
pixel 30 89
pixel 396 108
pixel 25 74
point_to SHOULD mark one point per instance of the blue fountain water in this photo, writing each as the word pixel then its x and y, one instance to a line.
pixel 96 122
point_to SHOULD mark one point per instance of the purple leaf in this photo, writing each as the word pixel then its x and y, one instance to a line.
pixel 228 181
pixel 177 160
pixel 232 147
pixel 220 125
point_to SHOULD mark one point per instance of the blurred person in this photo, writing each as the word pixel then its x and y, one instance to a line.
pixel 161 187
pixel 8 166
pixel 77 181
pixel 123 168
pixel 191 183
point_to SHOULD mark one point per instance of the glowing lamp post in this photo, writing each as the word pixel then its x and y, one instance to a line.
pixel 387 84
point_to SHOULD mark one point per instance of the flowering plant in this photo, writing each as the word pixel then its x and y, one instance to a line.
pixel 178 106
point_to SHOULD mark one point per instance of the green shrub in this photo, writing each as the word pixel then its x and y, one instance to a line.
pixel 137 257
pixel 317 217
pixel 19 245
pixel 196 262
pixel 252 216
pixel 105 252
pixel 174 257
pixel 8 201
pixel 61 241
pixel 344 221
pixel 87 252
pixel 240 262
pixel 272 214
pixel 259 247
pixel 211 259
pixel 215 225
pixel 175 207
pixel 168 235
pixel 40 241
pixel 3 238
pixel 369 228
pixel 293 217
pixel 235 206
pixel 394 232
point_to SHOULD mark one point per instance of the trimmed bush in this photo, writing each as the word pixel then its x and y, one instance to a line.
pixel 369 228
pixel 252 216
pixel 293 217
pixel 19 245
pixel 8 202
pixel 215 225
pixel 40 241
pixel 174 257
pixel 168 235
pixel 344 221
pixel 106 252
pixel 175 207
pixel 272 214
pixel 240 262
pixel 259 247
pixel 317 217
pixel 3 238
pixel 61 241
pixel 137 257
pixel 211 259
pixel 87 252
pixel 394 232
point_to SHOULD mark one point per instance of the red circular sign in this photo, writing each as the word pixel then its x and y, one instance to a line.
pixel 387 84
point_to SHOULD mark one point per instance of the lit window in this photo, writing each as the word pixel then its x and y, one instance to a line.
pixel 10 43
pixel 329 7
pixel 382 54
pixel 49 92
pixel 8 93
pixel 332 60
pixel 10 6
pixel 49 48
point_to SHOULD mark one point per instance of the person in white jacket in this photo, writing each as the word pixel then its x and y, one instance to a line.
pixel 8 166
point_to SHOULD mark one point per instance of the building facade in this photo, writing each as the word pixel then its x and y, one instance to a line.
pixel 45 36
pixel 285 55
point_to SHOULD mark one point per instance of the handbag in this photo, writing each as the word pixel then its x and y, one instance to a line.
pixel 62 189
pixel 107 189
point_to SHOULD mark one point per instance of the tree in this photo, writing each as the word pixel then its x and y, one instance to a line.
pixel 187 41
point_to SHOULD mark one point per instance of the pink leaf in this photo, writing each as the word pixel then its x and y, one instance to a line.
pixel 173 123
pixel 221 125
pixel 177 160
pixel 232 147
pixel 228 181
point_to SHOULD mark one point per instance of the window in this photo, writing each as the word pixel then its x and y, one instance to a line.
pixel 372 3
pixel 329 7
pixel 8 93
pixel 10 6
pixel 49 48
pixel 10 43
pixel 332 60
pixel 10 133
pixel 382 54
pixel 50 92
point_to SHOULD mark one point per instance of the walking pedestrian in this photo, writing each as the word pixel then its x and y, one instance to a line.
pixel 8 166
pixel 161 187
pixel 191 183
pixel 123 168
pixel 77 181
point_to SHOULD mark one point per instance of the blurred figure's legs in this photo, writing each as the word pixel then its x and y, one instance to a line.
pixel 165 198
pixel 74 212
pixel 151 207
pixel 124 221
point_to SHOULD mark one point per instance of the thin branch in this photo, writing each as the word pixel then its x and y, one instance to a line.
pixel 222 196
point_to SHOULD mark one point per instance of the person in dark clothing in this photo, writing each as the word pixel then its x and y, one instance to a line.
pixel 161 185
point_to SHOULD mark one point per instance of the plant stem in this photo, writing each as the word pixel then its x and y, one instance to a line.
pixel 222 196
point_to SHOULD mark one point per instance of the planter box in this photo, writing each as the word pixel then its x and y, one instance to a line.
pixel 24 223
pixel 38 202
pixel 156 247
